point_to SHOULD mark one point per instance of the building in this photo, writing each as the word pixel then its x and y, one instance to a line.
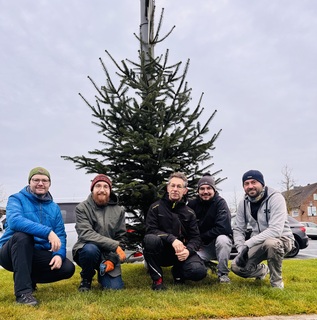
pixel 302 202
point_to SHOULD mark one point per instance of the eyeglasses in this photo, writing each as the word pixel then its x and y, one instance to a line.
pixel 37 181
pixel 177 186
pixel 100 186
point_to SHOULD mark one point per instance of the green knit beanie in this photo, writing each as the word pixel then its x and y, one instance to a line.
pixel 39 170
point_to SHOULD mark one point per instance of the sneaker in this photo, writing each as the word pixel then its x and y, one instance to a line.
pixel 27 299
pixel 279 286
pixel 158 284
pixel 224 279
pixel 179 281
pixel 266 270
pixel 84 286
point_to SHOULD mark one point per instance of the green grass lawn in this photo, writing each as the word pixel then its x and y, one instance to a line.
pixel 194 300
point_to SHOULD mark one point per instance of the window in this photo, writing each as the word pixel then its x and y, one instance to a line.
pixel 68 212
pixel 295 213
pixel 311 211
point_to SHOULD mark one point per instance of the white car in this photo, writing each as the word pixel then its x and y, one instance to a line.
pixel 311 229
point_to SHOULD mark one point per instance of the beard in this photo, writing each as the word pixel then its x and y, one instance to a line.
pixel 101 199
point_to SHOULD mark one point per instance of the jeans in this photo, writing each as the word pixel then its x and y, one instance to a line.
pixel 89 259
pixel 218 249
pixel 30 265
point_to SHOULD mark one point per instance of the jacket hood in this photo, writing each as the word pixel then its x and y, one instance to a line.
pixel 34 197
pixel 268 193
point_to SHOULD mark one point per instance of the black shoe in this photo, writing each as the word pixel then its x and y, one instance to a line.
pixel 27 299
pixel 158 285
pixel 34 287
pixel 213 266
pixel 177 276
pixel 85 285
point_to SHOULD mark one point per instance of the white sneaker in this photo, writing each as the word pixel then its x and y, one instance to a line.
pixel 279 286
pixel 224 279
pixel 266 270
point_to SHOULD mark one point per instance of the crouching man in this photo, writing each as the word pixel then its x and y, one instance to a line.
pixel 33 246
pixel 271 239
pixel 100 224
pixel 172 236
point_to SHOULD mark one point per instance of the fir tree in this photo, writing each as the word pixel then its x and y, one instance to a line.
pixel 149 130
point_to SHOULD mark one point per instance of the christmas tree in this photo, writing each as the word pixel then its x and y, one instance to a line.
pixel 149 130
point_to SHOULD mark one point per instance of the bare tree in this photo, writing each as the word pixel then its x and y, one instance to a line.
pixel 288 184
pixel 2 194
pixel 234 202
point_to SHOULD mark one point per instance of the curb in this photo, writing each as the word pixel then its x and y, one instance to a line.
pixel 292 317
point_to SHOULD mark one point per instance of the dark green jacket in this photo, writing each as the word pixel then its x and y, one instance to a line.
pixel 103 226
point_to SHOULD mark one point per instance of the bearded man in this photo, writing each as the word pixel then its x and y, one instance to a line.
pixel 214 223
pixel 101 229
pixel 264 210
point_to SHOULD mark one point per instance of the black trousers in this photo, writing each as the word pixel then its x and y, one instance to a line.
pixel 29 265
pixel 158 253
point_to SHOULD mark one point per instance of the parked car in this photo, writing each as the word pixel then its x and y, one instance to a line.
pixel 2 222
pixel 311 229
pixel 299 233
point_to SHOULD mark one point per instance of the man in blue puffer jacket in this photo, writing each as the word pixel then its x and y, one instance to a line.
pixel 33 246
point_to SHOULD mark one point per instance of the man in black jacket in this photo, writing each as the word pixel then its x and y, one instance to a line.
pixel 172 236
pixel 214 222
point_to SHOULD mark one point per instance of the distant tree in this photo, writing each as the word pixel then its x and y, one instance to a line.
pixel 234 202
pixel 2 194
pixel 287 185
pixel 149 130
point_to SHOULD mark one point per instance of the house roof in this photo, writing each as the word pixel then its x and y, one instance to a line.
pixel 299 194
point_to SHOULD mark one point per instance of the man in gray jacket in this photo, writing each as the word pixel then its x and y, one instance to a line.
pixel 264 209
pixel 100 225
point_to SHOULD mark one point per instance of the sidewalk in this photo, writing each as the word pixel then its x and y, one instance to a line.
pixel 294 317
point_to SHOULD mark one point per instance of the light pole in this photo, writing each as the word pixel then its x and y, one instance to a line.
pixel 146 27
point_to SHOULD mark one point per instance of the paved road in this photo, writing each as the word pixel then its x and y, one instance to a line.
pixel 310 252
pixel 294 317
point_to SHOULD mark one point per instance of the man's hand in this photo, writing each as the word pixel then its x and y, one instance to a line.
pixel 121 254
pixel 54 241
pixel 56 262
pixel 242 258
pixel 183 255
pixel 178 246
pixel 106 266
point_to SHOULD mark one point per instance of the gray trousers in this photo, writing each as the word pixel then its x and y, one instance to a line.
pixel 218 249
pixel 273 250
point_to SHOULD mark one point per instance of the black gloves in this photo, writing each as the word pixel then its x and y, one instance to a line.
pixel 242 257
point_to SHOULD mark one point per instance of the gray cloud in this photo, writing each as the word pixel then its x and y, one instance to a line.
pixel 254 60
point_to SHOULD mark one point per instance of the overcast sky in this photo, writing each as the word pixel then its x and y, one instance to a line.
pixel 255 61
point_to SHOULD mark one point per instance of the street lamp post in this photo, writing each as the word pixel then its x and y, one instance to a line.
pixel 146 27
